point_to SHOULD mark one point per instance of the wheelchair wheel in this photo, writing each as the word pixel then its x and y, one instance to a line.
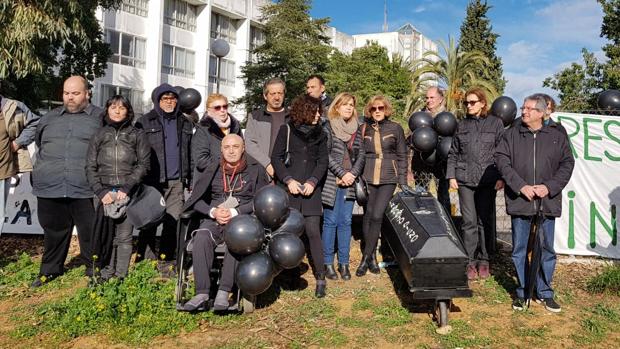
pixel 182 280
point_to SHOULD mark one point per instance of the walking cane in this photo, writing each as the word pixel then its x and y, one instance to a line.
pixel 537 240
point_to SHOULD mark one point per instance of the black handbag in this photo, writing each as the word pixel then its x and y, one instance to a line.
pixel 361 190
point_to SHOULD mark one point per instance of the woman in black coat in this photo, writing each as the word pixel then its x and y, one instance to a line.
pixel 303 174
pixel 385 149
pixel 214 125
pixel 117 161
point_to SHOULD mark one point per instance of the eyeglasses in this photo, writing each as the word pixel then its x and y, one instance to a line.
pixel 379 108
pixel 220 107
pixel 470 102
pixel 529 109
pixel 168 99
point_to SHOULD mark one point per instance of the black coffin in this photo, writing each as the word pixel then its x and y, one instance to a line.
pixel 426 246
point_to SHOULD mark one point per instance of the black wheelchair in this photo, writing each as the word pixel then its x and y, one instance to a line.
pixel 188 222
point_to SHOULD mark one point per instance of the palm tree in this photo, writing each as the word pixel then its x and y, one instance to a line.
pixel 456 72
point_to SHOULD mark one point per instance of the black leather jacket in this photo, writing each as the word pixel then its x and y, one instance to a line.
pixel 117 159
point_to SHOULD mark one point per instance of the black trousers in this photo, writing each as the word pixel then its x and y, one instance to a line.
pixel 313 233
pixel 57 217
pixel 378 198
pixel 478 228
pixel 207 238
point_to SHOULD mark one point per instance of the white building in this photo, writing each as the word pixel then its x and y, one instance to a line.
pixel 407 42
pixel 157 41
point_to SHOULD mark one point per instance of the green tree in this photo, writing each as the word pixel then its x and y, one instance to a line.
pixel 295 47
pixel 457 71
pixel 368 71
pixel 579 84
pixel 477 35
pixel 42 42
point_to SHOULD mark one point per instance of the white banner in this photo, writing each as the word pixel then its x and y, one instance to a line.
pixel 588 225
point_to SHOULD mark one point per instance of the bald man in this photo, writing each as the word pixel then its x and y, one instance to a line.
pixel 222 191
pixel 64 197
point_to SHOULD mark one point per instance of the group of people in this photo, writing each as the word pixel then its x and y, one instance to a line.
pixel 316 150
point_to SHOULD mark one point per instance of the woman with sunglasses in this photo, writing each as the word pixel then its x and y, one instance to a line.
pixel 472 171
pixel 214 125
pixel 385 149
pixel 300 160
pixel 338 193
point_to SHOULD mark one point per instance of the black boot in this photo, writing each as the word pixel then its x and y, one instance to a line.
pixel 321 285
pixel 361 270
pixel 343 269
pixel 330 272
pixel 372 264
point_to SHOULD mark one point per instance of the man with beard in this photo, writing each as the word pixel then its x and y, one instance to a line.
pixel 64 197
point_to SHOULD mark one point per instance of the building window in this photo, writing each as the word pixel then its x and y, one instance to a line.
pixel 257 38
pixel 177 61
pixel 180 14
pixel 223 27
pixel 227 72
pixel 136 7
pixel 134 96
pixel 126 49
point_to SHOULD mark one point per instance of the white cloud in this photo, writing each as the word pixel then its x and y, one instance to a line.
pixel 574 21
pixel 419 8
pixel 523 54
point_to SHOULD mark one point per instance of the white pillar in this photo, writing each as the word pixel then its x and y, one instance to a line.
pixel 154 25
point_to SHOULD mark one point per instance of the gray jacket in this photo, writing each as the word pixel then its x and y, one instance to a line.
pixel 544 157
pixel 62 139
pixel 258 136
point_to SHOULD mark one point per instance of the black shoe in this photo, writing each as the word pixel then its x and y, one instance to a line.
pixel 42 280
pixel 330 273
pixel 372 264
pixel 319 292
pixel 363 268
pixel 343 269
pixel 550 304
pixel 519 304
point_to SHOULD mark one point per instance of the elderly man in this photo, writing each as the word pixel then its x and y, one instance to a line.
pixel 18 126
pixel 222 191
pixel 64 196
pixel 169 134
pixel 263 124
pixel 423 173
pixel 536 162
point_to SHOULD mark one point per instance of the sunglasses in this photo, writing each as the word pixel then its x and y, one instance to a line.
pixel 470 102
pixel 220 107
pixel 374 109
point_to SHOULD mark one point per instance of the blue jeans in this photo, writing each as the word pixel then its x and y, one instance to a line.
pixel 520 236
pixel 337 221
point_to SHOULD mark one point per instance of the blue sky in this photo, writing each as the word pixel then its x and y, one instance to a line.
pixel 537 37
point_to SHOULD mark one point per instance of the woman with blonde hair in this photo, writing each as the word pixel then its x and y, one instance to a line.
pixel 338 193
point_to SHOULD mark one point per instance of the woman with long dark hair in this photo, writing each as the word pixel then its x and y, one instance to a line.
pixel 338 193
pixel 300 160
pixel 117 161
pixel 385 149
pixel 471 169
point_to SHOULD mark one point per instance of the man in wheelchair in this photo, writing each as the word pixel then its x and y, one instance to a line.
pixel 223 190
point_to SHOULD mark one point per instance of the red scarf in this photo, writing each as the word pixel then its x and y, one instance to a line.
pixel 229 172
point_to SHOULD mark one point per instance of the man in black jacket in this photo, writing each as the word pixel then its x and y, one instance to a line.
pixel 169 134
pixel 222 191
pixel 315 87
pixel 64 197
pixel 536 162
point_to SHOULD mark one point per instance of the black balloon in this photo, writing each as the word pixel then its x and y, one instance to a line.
pixel 445 124
pixel 179 89
pixel 420 119
pixel 293 224
pixel 287 250
pixel 424 139
pixel 189 99
pixel 505 109
pixel 443 147
pixel 244 234
pixel 255 273
pixel 429 158
pixel 271 206
pixel 609 100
